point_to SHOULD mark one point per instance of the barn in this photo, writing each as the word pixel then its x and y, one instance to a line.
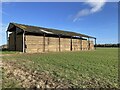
pixel 33 39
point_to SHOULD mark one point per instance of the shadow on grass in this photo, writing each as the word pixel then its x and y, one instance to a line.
pixel 6 51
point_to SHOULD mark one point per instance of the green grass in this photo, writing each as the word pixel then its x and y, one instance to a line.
pixel 8 52
pixel 79 67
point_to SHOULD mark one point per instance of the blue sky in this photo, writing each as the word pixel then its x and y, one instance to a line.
pixel 95 19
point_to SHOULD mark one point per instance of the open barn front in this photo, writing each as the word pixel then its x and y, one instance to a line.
pixel 15 40
pixel 31 39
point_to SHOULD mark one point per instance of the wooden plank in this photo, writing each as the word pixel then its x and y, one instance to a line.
pixel 71 44
pixel 88 43
pixel 23 42
pixel 95 43
pixel 81 44
pixel 15 39
pixel 19 39
pixel 7 39
pixel 59 43
pixel 44 43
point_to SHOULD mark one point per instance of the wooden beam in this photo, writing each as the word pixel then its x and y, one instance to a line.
pixel 80 44
pixel 88 43
pixel 7 39
pixel 71 44
pixel 95 43
pixel 44 42
pixel 59 43
pixel 48 41
pixel 23 41
pixel 15 40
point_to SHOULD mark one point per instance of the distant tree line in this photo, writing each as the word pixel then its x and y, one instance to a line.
pixel 107 45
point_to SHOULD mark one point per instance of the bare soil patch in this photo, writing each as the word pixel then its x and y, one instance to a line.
pixel 31 79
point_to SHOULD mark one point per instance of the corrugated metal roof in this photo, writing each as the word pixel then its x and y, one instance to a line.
pixel 35 29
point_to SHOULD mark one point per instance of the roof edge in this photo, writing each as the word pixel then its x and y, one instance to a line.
pixel 77 34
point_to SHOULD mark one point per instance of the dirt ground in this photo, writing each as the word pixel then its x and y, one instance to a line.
pixel 30 79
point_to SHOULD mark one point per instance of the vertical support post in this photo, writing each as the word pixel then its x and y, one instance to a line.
pixel 81 44
pixel 7 39
pixel 44 42
pixel 95 43
pixel 15 39
pixel 71 44
pixel 88 43
pixel 59 43
pixel 23 41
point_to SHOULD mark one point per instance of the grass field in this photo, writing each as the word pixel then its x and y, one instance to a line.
pixel 83 69
pixel 8 52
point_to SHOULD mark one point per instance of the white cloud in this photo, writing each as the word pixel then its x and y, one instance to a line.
pixel 96 6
